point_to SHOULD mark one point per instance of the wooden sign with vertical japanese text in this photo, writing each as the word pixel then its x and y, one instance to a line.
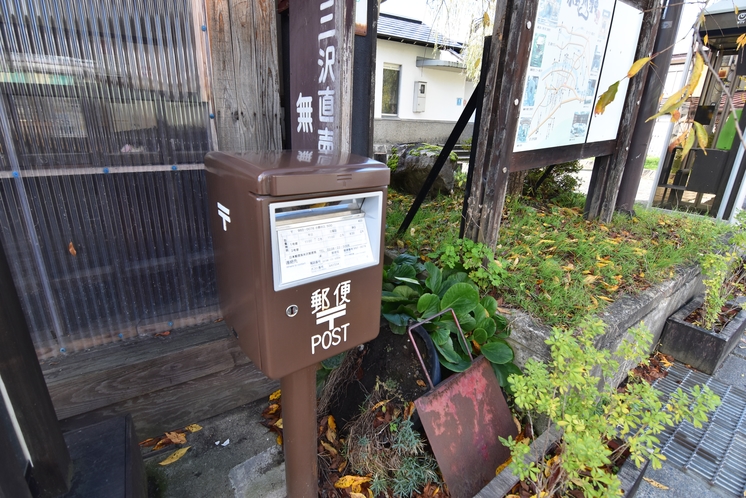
pixel 320 75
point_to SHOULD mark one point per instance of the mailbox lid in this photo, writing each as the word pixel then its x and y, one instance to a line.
pixel 290 172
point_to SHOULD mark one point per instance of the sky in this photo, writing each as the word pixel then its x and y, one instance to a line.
pixel 421 11
pixel 412 9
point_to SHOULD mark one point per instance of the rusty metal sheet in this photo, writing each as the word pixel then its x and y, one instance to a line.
pixel 463 418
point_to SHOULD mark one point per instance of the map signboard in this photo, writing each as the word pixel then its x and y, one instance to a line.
pixel 567 53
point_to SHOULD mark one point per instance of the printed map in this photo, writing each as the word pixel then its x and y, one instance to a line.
pixel 565 61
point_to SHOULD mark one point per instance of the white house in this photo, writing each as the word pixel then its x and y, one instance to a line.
pixel 421 87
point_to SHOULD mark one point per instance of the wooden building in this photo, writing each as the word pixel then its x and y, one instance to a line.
pixel 106 112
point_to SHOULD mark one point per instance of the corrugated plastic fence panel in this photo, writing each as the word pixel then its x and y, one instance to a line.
pixel 105 124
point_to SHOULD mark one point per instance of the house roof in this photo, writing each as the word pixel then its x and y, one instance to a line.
pixel 391 27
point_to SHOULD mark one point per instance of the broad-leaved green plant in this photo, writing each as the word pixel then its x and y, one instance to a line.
pixel 413 291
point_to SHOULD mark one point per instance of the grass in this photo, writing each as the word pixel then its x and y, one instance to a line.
pixel 557 266
pixel 437 222
pixel 651 162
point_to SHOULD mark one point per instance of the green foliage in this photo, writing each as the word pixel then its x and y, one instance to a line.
pixel 466 144
pixel 718 268
pixel 557 266
pixel 413 291
pixel 572 392
pixel 437 221
pixel 393 160
pixel 392 453
pixel 651 162
pixel 436 149
pixel 560 180
pixel 413 474
pixel 562 268
pixel 325 368
pixel 459 179
pixel 474 258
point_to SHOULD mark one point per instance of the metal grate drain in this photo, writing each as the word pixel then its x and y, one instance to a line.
pixel 717 450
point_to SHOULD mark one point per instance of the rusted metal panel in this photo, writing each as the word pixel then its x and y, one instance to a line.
pixel 463 418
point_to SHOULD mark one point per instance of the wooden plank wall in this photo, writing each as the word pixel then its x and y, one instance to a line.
pixel 163 382
pixel 197 372
pixel 245 74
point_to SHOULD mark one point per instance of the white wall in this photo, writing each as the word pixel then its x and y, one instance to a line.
pixel 443 87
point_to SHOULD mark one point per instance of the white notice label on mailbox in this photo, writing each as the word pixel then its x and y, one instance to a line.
pixel 311 249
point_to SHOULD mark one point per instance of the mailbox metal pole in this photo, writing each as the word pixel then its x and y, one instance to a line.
pixel 299 432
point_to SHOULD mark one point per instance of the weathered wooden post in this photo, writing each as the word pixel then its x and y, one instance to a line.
pixel 550 63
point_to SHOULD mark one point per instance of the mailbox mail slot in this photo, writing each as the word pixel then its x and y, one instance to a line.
pixel 298 251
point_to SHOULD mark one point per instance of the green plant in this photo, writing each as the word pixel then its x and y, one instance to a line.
pixel 383 444
pixel 559 267
pixel 571 391
pixel 466 144
pixel 437 149
pixel 413 474
pixel 720 268
pixel 393 160
pixel 413 292
pixel 459 178
pixel 325 368
pixel 474 258
pixel 550 182
pixel 651 162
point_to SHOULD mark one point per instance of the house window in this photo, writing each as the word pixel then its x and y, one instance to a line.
pixel 390 100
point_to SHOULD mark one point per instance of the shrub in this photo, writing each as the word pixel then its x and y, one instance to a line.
pixel 548 185
pixel 571 393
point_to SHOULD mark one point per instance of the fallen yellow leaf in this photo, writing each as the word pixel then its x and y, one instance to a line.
pixel 273 408
pixel 71 249
pixel 503 466
pixel 176 437
pixel 607 299
pixel 421 383
pixel 162 444
pixel 357 495
pixel 658 485
pixel 279 440
pixel 331 449
pixel 275 395
pixel 175 456
pixel 352 482
pixel 193 427
pixel 278 424
pixel 379 405
pixel 331 433
pixel 590 279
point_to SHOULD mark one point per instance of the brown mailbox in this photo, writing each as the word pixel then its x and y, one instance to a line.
pixel 298 240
